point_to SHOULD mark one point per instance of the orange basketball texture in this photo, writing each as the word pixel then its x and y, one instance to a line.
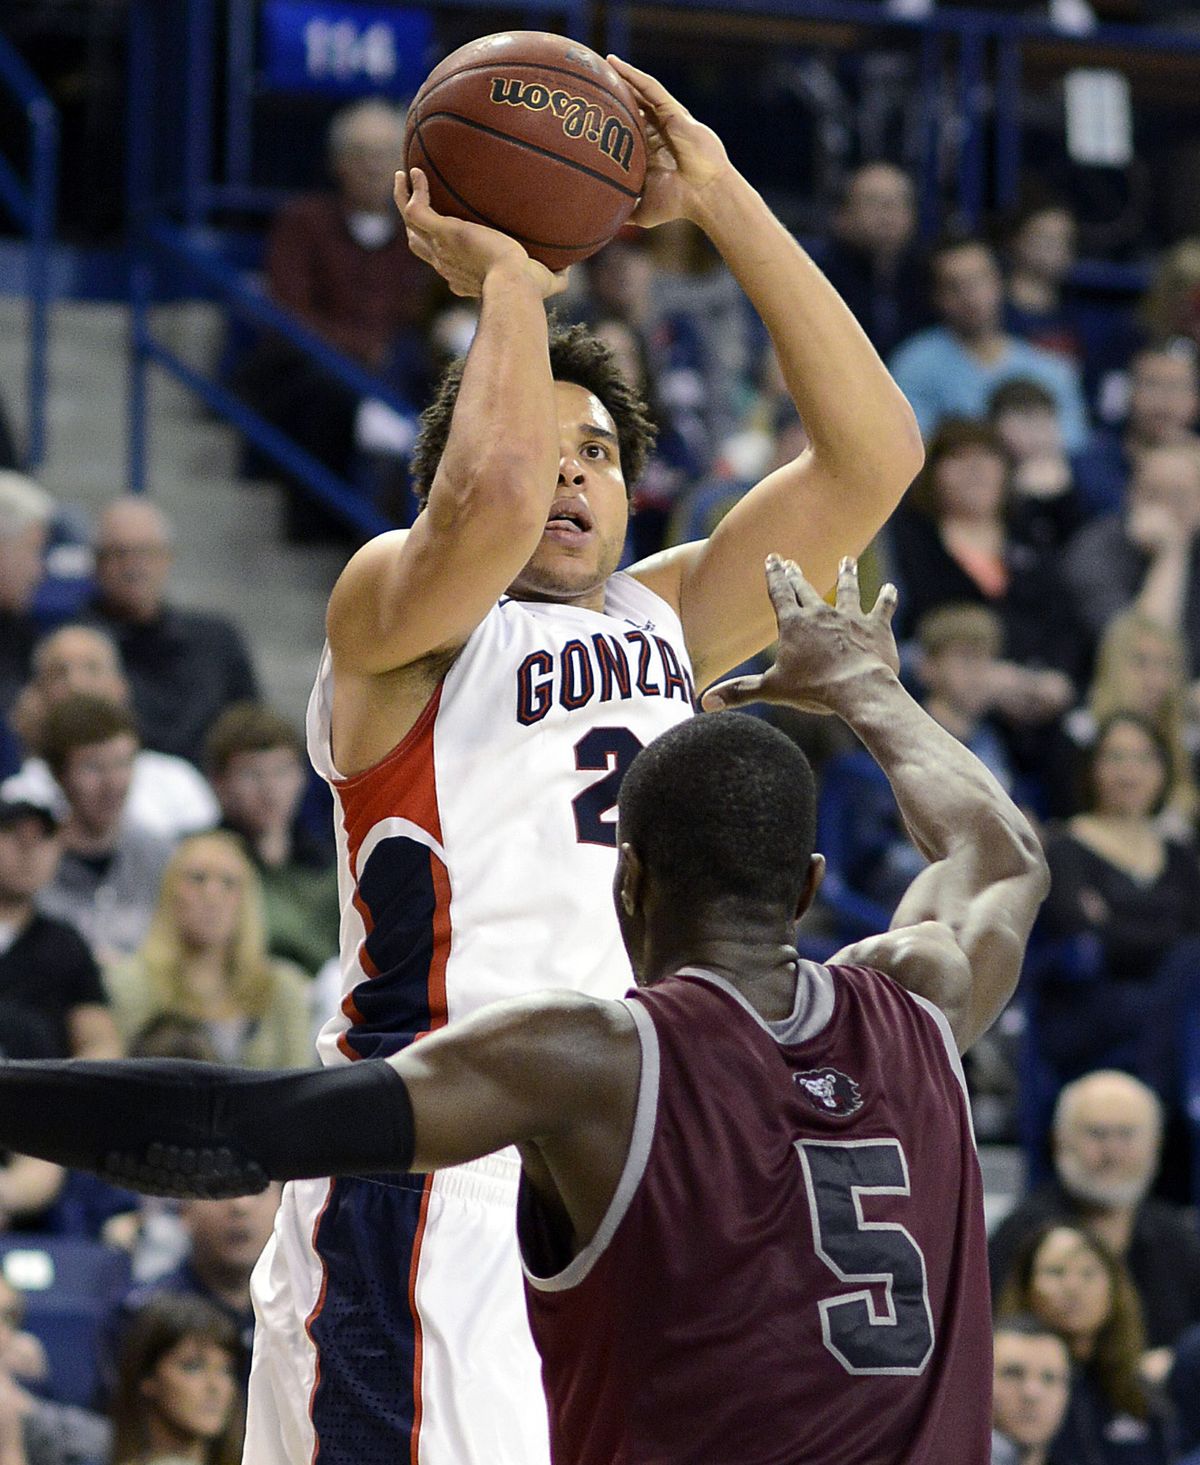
pixel 533 134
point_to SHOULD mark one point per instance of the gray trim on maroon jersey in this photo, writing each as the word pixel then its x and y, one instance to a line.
pixel 644 1120
pixel 811 1011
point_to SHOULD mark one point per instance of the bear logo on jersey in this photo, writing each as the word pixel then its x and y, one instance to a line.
pixel 831 1091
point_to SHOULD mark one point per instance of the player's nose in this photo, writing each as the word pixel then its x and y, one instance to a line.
pixel 570 469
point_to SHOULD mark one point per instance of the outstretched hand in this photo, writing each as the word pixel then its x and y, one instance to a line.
pixel 824 650
pixel 462 253
pixel 685 156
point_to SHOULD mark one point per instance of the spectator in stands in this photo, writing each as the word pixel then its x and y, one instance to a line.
pixel 1030 1391
pixel 1121 896
pixel 1148 555
pixel 1044 507
pixel 1040 251
pixel 25 511
pixel 107 879
pixel 178 1398
pixel 1164 400
pixel 1107 1138
pixel 662 355
pixel 225 1239
pixel 1068 1278
pixel 952 544
pixel 167 795
pixel 52 1001
pixel 959 667
pixel 34 1430
pixel 1170 309
pixel 339 261
pixel 873 260
pixel 184 666
pixel 205 957
pixel 951 369
pixel 1141 667
pixel 958 647
pixel 257 763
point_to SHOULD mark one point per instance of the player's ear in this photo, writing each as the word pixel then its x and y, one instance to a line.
pixel 629 878
pixel 812 883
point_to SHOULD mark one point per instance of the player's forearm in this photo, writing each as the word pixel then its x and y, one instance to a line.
pixel 855 416
pixel 183 1128
pixel 502 446
pixel 949 800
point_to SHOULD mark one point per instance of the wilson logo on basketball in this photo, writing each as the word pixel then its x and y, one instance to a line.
pixel 579 117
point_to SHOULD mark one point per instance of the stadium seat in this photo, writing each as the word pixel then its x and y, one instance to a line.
pixel 72 1289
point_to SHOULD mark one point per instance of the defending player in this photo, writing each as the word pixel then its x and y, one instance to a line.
pixel 751 1213
pixel 488 679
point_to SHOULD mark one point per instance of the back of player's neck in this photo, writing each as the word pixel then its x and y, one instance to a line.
pixel 760 963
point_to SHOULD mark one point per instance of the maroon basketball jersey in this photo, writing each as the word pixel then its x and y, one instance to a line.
pixel 793 1270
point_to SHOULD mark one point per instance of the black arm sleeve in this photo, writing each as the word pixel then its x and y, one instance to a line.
pixel 175 1127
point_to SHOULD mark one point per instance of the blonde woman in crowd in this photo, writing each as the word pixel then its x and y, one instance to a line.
pixel 205 958
pixel 1141 667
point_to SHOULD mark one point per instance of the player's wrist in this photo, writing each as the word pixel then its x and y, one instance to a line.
pixel 709 206
pixel 861 694
pixel 512 270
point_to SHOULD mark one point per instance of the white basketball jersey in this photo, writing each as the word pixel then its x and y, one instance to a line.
pixel 476 859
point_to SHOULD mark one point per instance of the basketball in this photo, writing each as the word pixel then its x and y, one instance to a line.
pixel 533 134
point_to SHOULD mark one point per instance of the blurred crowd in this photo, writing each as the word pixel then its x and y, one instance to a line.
pixel 167 880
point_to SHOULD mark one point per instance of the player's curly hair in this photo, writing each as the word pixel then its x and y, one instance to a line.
pixel 575 356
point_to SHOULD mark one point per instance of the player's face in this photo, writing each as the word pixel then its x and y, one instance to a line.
pixel 1032 1380
pixel 585 528
pixel 1070 1286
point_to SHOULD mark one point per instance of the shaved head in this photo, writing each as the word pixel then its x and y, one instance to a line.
pixel 133 559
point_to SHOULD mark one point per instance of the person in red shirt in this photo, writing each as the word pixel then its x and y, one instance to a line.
pixel 751 1212
pixel 338 260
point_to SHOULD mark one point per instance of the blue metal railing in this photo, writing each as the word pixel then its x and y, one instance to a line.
pixel 32 206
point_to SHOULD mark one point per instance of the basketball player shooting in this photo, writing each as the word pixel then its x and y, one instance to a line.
pixel 488 679
pixel 750 1213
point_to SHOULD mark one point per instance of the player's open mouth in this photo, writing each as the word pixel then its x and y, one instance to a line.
pixel 569 517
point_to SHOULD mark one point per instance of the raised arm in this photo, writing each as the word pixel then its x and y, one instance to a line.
pixel 412 595
pixel 865 448
pixel 958 935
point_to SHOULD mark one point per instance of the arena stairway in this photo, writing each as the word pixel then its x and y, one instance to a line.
pixel 231 553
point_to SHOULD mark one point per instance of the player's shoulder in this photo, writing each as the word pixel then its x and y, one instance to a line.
pixel 924 960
